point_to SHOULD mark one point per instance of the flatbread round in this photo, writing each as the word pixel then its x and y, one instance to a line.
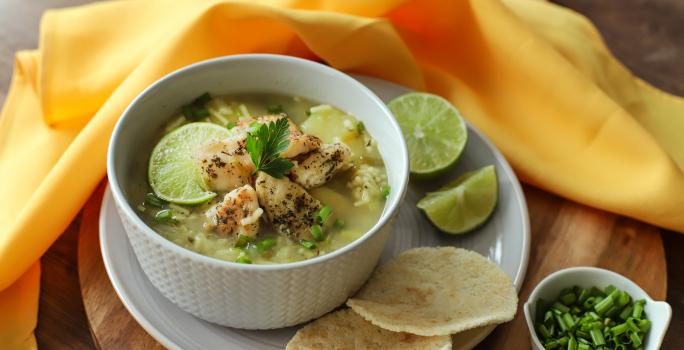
pixel 436 291
pixel 345 329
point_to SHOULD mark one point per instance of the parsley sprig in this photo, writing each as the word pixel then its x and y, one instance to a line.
pixel 265 142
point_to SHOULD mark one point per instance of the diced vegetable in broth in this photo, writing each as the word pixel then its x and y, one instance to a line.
pixel 350 196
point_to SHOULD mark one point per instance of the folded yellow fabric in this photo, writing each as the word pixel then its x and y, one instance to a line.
pixel 535 77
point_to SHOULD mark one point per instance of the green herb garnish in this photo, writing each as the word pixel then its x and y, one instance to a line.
pixel 307 244
pixel 152 200
pixel 317 232
pixel 230 125
pixel 360 127
pixel 243 259
pixel 264 144
pixel 197 110
pixel 243 241
pixel 323 214
pixel 266 244
pixel 164 215
pixel 339 223
pixel 385 191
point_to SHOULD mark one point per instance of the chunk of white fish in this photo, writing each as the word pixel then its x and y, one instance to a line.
pixel 319 166
pixel 237 213
pixel 288 206
pixel 225 164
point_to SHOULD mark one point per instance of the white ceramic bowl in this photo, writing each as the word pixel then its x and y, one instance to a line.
pixel 659 312
pixel 240 295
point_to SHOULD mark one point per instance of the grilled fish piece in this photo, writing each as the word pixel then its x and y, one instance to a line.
pixel 289 207
pixel 225 164
pixel 319 166
pixel 238 213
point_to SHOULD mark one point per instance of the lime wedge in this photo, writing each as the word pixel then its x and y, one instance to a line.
pixel 464 203
pixel 434 131
pixel 172 173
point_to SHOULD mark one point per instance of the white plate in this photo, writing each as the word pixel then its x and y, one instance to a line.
pixel 504 239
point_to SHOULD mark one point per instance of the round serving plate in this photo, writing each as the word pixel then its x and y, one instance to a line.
pixel 504 239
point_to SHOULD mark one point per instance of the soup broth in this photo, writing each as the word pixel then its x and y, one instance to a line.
pixel 356 196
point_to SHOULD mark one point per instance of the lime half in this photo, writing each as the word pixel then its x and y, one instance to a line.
pixel 434 131
pixel 173 174
pixel 464 203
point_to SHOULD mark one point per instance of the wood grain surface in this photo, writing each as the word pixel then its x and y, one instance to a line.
pixel 644 34
pixel 564 234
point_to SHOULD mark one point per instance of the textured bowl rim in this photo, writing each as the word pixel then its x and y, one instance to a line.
pixel 534 295
pixel 387 214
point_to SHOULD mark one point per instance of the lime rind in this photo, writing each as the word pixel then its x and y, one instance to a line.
pixel 172 173
pixel 434 129
pixel 463 204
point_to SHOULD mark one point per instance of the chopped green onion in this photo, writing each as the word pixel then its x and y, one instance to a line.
pixel 597 337
pixel 308 112
pixel 604 305
pixel 589 303
pixel 230 125
pixel 385 191
pixel 339 223
pixel 569 321
pixel 561 324
pixel 307 244
pixel 610 289
pixel 200 113
pixel 243 241
pixel 196 110
pixel 568 299
pixel 274 109
pixel 582 334
pixel 592 319
pixel 151 199
pixel 266 244
pixel 553 344
pixel 623 299
pixel 202 99
pixel 360 127
pixel 626 313
pixel 595 292
pixel 563 341
pixel 188 112
pixel 543 331
pixel 583 295
pixel 164 215
pixel 317 232
pixel 323 214
pixel 638 308
pixel 560 307
pixel 243 259
pixel 635 338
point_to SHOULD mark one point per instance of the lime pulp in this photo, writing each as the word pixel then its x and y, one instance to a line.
pixel 434 130
pixel 463 204
pixel 173 174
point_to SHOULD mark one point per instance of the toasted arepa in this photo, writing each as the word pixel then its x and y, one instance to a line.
pixel 436 291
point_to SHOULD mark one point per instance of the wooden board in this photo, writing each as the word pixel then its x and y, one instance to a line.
pixel 564 234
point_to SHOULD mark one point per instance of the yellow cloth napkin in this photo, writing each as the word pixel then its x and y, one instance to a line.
pixel 535 77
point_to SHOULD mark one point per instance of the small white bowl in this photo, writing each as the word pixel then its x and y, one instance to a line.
pixel 659 312
pixel 241 295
